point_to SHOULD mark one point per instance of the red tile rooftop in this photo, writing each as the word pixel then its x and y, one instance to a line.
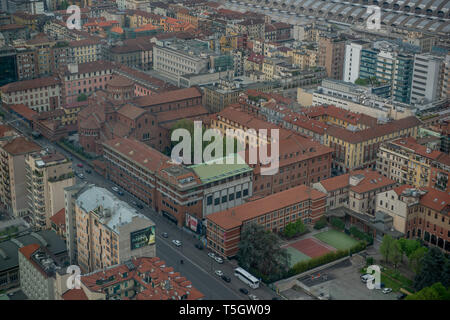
pixel 170 96
pixel 21 145
pixel 59 218
pixel 234 217
pixel 24 111
pixel 30 84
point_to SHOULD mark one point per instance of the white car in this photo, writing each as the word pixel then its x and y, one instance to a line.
pixel 218 259
pixel 387 290
pixel 219 273
pixel 211 255
pixel 115 189
pixel 367 277
pixel 253 297
pixel 176 242
pixel 81 176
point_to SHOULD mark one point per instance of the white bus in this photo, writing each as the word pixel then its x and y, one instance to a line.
pixel 246 277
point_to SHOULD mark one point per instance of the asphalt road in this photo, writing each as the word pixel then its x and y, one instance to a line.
pixel 197 266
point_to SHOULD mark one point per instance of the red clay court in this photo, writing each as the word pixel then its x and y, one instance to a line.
pixel 311 247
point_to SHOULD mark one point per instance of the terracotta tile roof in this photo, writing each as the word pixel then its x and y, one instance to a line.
pixel 130 111
pixel 411 144
pixel 234 217
pixel 74 294
pixel 119 81
pixel 6 131
pixel 11 26
pixel 436 200
pixel 28 250
pixel 93 66
pixel 59 218
pixel 336 183
pixel 24 111
pixel 340 113
pixel 21 145
pixel 374 132
pixel 151 288
pixel 30 84
pixel 399 190
pixel 85 42
pixel 372 181
pixel 138 152
pixel 170 96
pixel 184 113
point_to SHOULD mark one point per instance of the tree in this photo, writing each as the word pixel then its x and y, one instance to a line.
pixel 293 229
pixel 320 223
pixel 446 274
pixel 415 259
pixel 435 292
pixel 395 254
pixel 408 246
pixel 260 250
pixel 432 269
pixel 386 247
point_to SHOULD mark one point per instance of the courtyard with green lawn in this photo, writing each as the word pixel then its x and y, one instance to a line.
pixel 337 239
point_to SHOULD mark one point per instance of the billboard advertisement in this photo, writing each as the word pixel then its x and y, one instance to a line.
pixel 142 238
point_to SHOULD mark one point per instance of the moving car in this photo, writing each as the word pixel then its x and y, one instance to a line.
pixel 79 165
pixel 115 189
pixel 211 255
pixel 176 242
pixel 387 290
pixel 219 273
pixel 81 176
pixel 226 278
pixel 243 290
pixel 164 235
pixel 218 259
pixel 120 193
pixel 253 297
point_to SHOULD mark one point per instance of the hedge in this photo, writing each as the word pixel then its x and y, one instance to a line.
pixel 320 224
pixel 303 266
pixel 355 232
pixel 337 223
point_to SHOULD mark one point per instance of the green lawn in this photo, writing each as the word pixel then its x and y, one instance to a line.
pixel 336 239
pixel 296 256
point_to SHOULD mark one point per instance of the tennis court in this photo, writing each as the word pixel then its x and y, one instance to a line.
pixel 336 239
pixel 296 256
pixel 311 247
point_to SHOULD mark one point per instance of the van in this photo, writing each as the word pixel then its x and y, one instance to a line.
pixel 367 277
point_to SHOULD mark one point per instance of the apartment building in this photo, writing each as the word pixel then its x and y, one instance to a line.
pixel 407 162
pixel 356 190
pixel 427 78
pixel 353 59
pixel 418 213
pixel 354 149
pixel 85 78
pixel 109 231
pixel 37 268
pixel 143 278
pixel 219 95
pixel 47 174
pixel 134 53
pixel 13 190
pixel 40 95
pixel 86 50
pixel 331 55
pixel 253 27
pixel 273 212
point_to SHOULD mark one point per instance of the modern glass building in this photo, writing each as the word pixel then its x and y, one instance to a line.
pixel 8 65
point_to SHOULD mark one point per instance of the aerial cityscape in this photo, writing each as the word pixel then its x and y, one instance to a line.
pixel 227 150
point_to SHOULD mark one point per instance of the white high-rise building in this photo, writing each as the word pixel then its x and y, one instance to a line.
pixel 427 77
pixel 353 59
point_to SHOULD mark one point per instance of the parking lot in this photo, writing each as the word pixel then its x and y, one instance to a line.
pixel 342 282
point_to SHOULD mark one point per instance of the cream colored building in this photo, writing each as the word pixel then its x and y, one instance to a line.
pixel 109 231
pixel 13 187
pixel 47 176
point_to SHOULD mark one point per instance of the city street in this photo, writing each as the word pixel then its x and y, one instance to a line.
pixel 197 266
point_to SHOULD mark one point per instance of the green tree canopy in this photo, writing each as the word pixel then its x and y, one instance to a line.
pixel 395 254
pixel 260 250
pixel 432 269
pixel 386 247
pixel 415 259
pixel 294 228
pixel 437 291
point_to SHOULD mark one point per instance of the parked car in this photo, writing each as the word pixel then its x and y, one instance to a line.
pixel 387 290
pixel 401 296
pixel 253 297
pixel 211 255
pixel 140 206
pixel 176 242
pixel 243 290
pixel 199 246
pixel 367 277
pixel 219 273
pixel 115 189
pixel 81 176
pixel 226 278
pixel 89 171
pixel 120 193
pixel 218 259
pixel 79 165
pixel 164 235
